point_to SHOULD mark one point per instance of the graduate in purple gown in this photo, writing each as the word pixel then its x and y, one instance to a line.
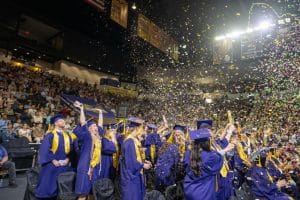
pixel 204 166
pixel 169 158
pixel 152 143
pixel 263 185
pixel 225 186
pixel 90 161
pixel 109 148
pixel 53 158
pixel 132 164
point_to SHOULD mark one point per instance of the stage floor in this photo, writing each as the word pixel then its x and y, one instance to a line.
pixel 15 193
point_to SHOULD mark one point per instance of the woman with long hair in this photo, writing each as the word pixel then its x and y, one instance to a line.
pixel 203 167
pixel 263 184
pixel 132 163
pixel 168 158
pixel 90 163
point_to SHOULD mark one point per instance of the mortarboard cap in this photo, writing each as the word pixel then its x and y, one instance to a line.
pixel 55 118
pixel 152 126
pixel 134 122
pixel 204 123
pixel 200 134
pixel 178 127
pixel 111 126
pixel 90 122
pixel 167 135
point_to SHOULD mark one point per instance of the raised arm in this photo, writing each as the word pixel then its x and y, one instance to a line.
pixel 100 120
pixel 82 118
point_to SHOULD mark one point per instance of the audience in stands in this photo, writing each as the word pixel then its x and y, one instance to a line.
pixel 5 164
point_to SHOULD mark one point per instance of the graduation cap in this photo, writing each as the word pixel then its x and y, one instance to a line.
pixel 134 122
pixel 178 127
pixel 151 126
pixel 167 135
pixel 90 122
pixel 55 118
pixel 111 126
pixel 204 123
pixel 200 134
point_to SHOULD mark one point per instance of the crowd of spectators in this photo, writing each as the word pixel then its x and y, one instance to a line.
pixel 28 98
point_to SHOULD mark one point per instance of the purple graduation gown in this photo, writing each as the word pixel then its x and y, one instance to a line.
pixel 165 173
pixel 47 183
pixel 132 181
pixel 108 149
pixel 152 139
pixel 83 183
pixel 204 186
pixel 262 187
pixel 226 189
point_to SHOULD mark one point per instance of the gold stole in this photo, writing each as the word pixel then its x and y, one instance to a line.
pixel 152 152
pixel 269 177
pixel 55 141
pixel 115 156
pixel 137 146
pixel 272 160
pixel 242 154
pixel 224 170
pixel 95 151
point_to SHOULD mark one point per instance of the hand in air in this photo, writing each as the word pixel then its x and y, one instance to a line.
pixel 77 104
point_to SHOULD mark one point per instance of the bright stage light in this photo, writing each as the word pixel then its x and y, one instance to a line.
pixel 249 30
pixel 235 34
pixel 264 25
pixel 287 20
pixel 222 37
pixel 133 6
pixel 281 21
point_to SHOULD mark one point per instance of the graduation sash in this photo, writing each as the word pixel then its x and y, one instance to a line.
pixel 242 154
pixel 115 156
pixel 274 161
pixel 152 152
pixel 55 141
pixel 224 170
pixel 137 146
pixel 95 151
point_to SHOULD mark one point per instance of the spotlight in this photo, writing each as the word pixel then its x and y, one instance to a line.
pixel 281 21
pixel 287 20
pixel 133 6
pixel 264 25
pixel 249 30
pixel 222 37
pixel 235 34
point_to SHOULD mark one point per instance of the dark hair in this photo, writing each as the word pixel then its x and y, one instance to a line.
pixel 196 160
pixel 263 161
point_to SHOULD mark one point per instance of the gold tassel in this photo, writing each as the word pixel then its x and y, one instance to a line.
pixel 224 170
